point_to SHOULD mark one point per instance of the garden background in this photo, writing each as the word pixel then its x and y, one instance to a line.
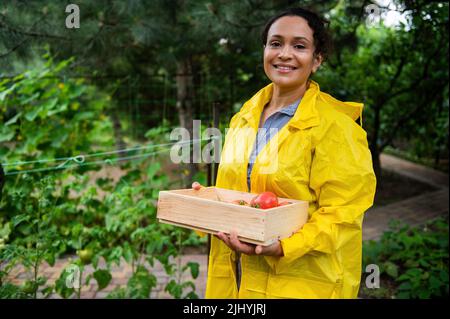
pixel 86 115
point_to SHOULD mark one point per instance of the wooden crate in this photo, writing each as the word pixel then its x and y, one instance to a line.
pixel 209 210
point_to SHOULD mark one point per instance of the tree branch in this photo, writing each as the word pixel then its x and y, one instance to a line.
pixel 32 34
pixel 408 116
pixel 2 55
pixel 413 86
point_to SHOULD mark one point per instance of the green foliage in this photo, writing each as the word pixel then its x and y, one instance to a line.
pixel 400 73
pixel 413 260
pixel 45 214
pixel 45 116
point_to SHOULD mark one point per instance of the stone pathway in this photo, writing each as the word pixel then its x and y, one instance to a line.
pixel 120 276
pixel 414 211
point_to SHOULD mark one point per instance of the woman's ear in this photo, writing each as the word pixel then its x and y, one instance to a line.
pixel 317 61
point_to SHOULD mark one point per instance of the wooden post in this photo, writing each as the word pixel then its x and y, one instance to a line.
pixel 216 118
pixel 212 167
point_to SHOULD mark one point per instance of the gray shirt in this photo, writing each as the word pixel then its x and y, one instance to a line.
pixel 271 126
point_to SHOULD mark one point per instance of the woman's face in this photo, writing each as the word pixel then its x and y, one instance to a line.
pixel 289 55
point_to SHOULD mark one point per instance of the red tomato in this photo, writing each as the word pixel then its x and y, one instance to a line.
pixel 265 200
pixel 196 186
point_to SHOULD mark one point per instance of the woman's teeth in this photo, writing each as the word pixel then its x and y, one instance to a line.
pixel 284 67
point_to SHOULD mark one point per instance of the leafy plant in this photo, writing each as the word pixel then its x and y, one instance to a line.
pixel 413 260
pixel 54 210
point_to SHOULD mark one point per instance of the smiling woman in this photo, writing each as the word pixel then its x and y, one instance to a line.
pixel 318 153
pixel 289 54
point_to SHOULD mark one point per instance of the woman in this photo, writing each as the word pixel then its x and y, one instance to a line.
pixel 319 154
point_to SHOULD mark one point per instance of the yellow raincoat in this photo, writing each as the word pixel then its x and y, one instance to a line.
pixel 321 156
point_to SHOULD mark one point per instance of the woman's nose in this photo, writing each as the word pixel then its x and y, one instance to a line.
pixel 285 53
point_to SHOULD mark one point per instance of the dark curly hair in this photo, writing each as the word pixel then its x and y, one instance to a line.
pixel 319 25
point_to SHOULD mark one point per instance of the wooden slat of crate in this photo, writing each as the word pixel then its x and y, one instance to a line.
pixel 211 231
pixel 209 210
pixel 279 218
pixel 208 213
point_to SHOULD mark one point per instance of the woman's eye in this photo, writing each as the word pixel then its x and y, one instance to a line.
pixel 299 46
pixel 275 44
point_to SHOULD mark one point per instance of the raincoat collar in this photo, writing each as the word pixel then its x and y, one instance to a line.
pixel 306 114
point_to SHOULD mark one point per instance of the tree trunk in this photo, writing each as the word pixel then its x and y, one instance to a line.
pixel 2 180
pixel 184 106
pixel 376 163
pixel 120 144
pixel 374 148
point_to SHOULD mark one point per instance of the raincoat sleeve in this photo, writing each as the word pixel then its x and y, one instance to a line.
pixel 343 180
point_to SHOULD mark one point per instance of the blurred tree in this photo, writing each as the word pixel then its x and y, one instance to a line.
pixel 184 38
pixel 400 73
pixel 212 48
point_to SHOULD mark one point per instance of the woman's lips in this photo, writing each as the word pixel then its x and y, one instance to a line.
pixel 284 68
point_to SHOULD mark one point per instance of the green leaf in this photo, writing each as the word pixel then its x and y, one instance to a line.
pixel 141 283
pixel 191 295
pixel 50 259
pixel 103 278
pixel 174 289
pixel 41 281
pixel 16 220
pixel 14 119
pixel 405 286
pixel 153 169
pixel 47 291
pixel 194 269
pixel 391 269
pixel 414 273
pixel 83 116
pixel 6 92
pixel 31 115
pixel 61 108
pixel 88 279
pixel 61 286
pixel 127 253
pixel 7 133
pixel 435 283
pixel 423 294
pixel 403 295
pixel 443 275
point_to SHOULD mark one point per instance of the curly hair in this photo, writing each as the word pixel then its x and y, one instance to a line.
pixel 319 25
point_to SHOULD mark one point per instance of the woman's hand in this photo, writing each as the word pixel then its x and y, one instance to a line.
pixel 235 244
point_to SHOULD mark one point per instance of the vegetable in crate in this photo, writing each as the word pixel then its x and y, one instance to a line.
pixel 265 200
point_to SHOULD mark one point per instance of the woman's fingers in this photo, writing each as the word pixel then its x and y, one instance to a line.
pixel 223 237
pixel 258 250
pixel 273 250
pixel 235 244
pixel 239 246
pixel 196 186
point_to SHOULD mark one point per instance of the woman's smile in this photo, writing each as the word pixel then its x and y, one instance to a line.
pixel 284 68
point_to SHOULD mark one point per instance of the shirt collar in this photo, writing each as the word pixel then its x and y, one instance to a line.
pixel 290 109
